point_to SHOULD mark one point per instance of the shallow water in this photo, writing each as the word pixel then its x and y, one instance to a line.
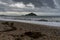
pixel 34 22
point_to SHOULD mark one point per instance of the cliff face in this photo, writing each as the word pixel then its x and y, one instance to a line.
pixel 31 14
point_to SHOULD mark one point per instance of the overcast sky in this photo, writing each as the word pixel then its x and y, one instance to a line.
pixel 40 7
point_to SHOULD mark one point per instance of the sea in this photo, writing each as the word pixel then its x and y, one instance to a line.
pixel 33 18
pixel 40 20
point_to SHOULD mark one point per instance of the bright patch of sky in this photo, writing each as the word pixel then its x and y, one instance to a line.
pixel 22 5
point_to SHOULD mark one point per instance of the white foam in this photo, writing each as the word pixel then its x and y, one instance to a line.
pixel 35 22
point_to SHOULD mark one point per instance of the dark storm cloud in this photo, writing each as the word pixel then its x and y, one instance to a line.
pixel 7 1
pixel 38 3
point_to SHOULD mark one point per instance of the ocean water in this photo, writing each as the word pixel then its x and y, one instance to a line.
pixel 34 18
pixel 50 24
pixel 52 21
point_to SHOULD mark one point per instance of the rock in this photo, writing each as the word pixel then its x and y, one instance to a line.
pixel 31 14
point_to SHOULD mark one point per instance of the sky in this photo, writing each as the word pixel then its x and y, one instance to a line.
pixel 40 7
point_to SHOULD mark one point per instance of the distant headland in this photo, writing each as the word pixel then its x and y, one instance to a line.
pixel 31 14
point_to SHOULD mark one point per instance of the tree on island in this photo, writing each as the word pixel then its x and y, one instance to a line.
pixel 31 14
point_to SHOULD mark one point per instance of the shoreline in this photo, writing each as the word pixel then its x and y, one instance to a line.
pixel 55 24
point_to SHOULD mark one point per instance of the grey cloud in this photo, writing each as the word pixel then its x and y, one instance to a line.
pixel 7 1
pixel 39 3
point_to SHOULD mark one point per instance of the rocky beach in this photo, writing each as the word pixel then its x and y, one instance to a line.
pixel 10 30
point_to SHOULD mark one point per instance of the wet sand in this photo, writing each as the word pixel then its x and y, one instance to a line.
pixel 25 31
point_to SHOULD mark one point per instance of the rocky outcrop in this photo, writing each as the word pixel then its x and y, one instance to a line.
pixel 31 14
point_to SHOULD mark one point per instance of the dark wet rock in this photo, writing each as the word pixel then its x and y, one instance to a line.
pixel 17 39
pixel 34 35
pixel 22 35
pixel 5 23
pixel 42 20
pixel 11 25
